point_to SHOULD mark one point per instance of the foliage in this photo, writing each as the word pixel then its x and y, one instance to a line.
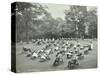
pixel 34 21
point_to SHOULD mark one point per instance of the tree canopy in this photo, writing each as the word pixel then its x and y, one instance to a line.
pixel 34 21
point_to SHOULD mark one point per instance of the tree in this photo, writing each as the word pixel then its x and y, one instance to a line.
pixel 92 23
pixel 76 17
pixel 28 17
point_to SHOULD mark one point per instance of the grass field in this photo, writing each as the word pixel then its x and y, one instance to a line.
pixel 25 64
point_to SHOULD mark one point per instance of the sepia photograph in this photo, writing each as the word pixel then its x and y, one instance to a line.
pixel 53 37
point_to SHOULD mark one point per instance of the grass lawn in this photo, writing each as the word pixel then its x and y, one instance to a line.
pixel 25 64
